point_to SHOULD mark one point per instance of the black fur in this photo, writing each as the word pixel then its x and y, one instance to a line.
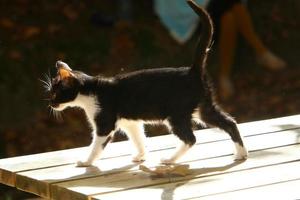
pixel 171 94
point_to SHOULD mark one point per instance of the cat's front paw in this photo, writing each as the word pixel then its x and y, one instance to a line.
pixel 167 161
pixel 83 164
pixel 139 157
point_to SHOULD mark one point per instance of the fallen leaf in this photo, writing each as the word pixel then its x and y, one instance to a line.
pixel 161 170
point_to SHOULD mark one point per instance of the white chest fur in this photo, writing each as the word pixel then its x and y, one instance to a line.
pixel 89 104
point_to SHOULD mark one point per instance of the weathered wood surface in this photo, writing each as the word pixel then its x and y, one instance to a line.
pixel 274 157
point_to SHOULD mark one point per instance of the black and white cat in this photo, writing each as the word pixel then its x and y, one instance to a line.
pixel 126 101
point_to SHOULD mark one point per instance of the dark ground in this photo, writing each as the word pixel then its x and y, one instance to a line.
pixel 34 34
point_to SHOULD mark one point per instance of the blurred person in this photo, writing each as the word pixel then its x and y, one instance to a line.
pixel 230 18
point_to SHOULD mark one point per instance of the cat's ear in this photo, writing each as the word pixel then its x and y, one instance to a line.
pixel 60 64
pixel 63 70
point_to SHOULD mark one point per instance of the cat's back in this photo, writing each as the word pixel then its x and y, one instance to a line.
pixel 153 75
pixel 157 92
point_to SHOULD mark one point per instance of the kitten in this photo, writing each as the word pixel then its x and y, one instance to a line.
pixel 126 101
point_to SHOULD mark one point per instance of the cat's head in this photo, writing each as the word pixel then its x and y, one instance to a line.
pixel 64 87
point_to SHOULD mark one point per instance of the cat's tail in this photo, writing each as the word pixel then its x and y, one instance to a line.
pixel 205 39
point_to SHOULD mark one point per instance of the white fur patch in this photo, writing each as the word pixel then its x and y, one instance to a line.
pixel 180 151
pixel 88 103
pixel 134 129
pixel 241 152
pixel 95 150
pixel 196 116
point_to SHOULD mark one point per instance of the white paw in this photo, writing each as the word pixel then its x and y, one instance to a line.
pixel 139 157
pixel 167 161
pixel 83 164
pixel 241 153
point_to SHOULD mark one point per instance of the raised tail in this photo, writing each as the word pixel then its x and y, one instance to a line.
pixel 205 39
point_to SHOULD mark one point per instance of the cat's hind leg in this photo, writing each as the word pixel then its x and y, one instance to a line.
pixel 213 115
pixel 182 128
pixel 197 123
pixel 135 132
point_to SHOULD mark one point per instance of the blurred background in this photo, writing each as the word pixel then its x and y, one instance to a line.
pixel 95 37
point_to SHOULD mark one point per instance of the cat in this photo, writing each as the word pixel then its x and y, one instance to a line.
pixel 126 101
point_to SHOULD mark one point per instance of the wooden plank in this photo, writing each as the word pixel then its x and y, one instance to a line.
pixel 263 126
pixel 280 190
pixel 246 129
pixel 138 179
pixel 10 166
pixel 38 181
pixel 132 179
pixel 210 185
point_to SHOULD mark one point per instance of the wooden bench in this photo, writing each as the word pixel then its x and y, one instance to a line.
pixel 272 170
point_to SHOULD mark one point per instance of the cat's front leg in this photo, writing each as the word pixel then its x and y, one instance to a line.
pixel 103 130
pixel 95 150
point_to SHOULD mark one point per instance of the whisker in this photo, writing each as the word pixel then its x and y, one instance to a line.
pixel 50 111
pixel 48 79
pixel 46 84
pixel 59 116
pixel 49 75
pixel 46 88
pixel 55 114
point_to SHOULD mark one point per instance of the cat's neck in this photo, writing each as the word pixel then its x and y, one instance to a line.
pixel 91 84
pixel 90 105
pixel 87 99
